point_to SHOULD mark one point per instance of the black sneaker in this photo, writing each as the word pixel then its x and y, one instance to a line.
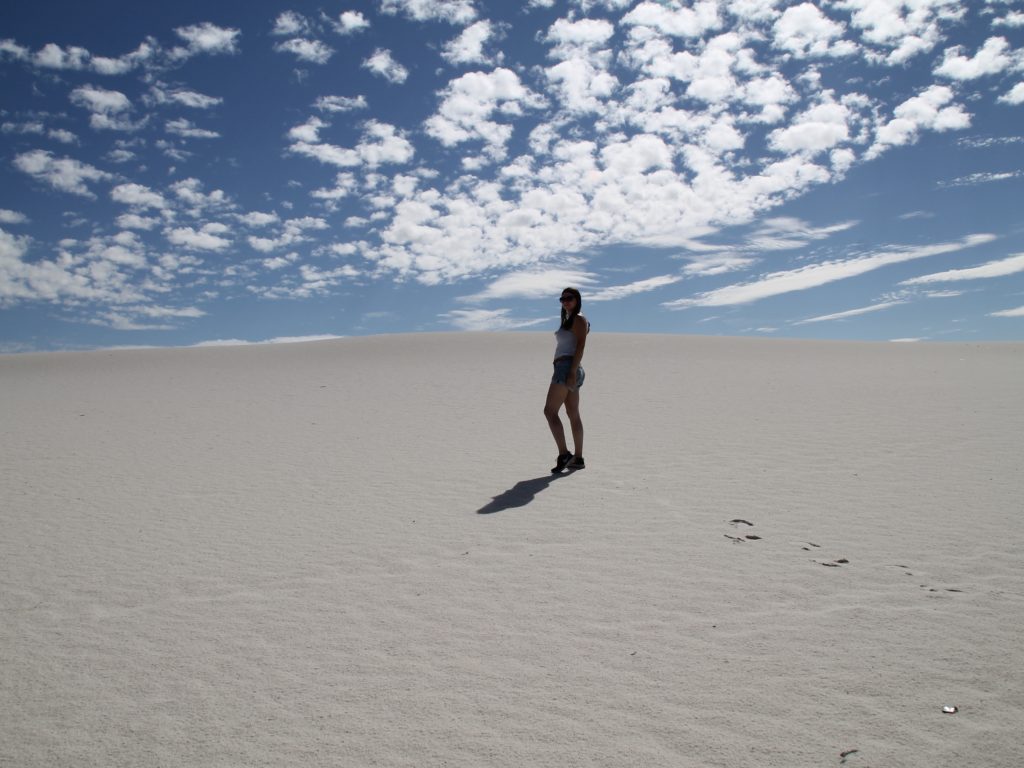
pixel 576 463
pixel 560 463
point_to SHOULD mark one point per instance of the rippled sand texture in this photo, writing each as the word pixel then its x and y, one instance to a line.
pixel 351 553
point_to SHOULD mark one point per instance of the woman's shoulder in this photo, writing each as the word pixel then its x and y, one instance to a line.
pixel 580 321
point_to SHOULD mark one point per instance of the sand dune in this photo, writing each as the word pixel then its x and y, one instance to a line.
pixel 351 553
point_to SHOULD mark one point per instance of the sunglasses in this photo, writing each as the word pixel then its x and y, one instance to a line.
pixel 565 299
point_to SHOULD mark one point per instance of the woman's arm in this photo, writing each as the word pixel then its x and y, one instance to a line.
pixel 579 329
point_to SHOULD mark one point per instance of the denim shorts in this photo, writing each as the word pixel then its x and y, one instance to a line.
pixel 562 372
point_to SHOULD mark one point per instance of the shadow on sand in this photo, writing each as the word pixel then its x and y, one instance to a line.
pixel 519 495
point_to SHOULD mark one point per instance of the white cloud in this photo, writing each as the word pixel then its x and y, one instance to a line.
pixel 640 154
pixel 573 38
pixel 382 63
pixel 63 136
pixel 616 292
pixel 974 179
pixel 786 233
pixel 101 273
pixel 138 196
pixel 1018 312
pixel 999 268
pixel 710 74
pixel 1015 95
pixel 340 103
pixel 345 184
pixel 10 49
pixel 902 30
pixel 120 155
pixel 609 5
pixel 309 131
pixel 65 174
pixel 772 94
pixel 100 100
pixel 780 233
pixel 314 282
pixel 19 279
pixel 717 264
pixel 135 221
pixel 351 22
pixel 290 24
pixel 991 59
pixel 156 311
pixel 23 128
pixel 627 192
pixel 930 110
pixel 470 102
pixel 190 193
pixel 312 51
pixel 173 150
pixel 206 38
pixel 675 20
pixel 1012 19
pixel 342 249
pixel 144 54
pixel 328 154
pixel 108 108
pixel 8 216
pixel 452 11
pixel 184 97
pixel 754 11
pixel 850 313
pixel 487 320
pixel 817 129
pixel 815 275
pixel 648 122
pixel 468 47
pixel 53 56
pixel 532 284
pixel 383 144
pixel 292 232
pixel 206 238
pixel 259 219
pixel 280 262
pixel 804 31
pixel 276 340
pixel 185 128
pixel 582 87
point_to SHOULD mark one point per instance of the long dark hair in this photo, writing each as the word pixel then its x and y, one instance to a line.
pixel 569 318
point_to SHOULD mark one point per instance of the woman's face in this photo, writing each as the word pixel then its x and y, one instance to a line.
pixel 568 302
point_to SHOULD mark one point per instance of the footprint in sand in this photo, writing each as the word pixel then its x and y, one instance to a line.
pixel 908 572
pixel 811 546
pixel 737 522
pixel 933 589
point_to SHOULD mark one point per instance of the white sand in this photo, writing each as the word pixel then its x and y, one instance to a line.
pixel 351 553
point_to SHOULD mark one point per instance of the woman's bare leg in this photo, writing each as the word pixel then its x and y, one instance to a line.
pixel 572 410
pixel 557 394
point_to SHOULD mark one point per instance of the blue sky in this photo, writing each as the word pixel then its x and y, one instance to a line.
pixel 188 173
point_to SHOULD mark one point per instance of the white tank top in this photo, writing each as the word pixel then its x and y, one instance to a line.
pixel 565 343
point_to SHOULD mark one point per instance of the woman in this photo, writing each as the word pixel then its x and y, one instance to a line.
pixel 570 339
